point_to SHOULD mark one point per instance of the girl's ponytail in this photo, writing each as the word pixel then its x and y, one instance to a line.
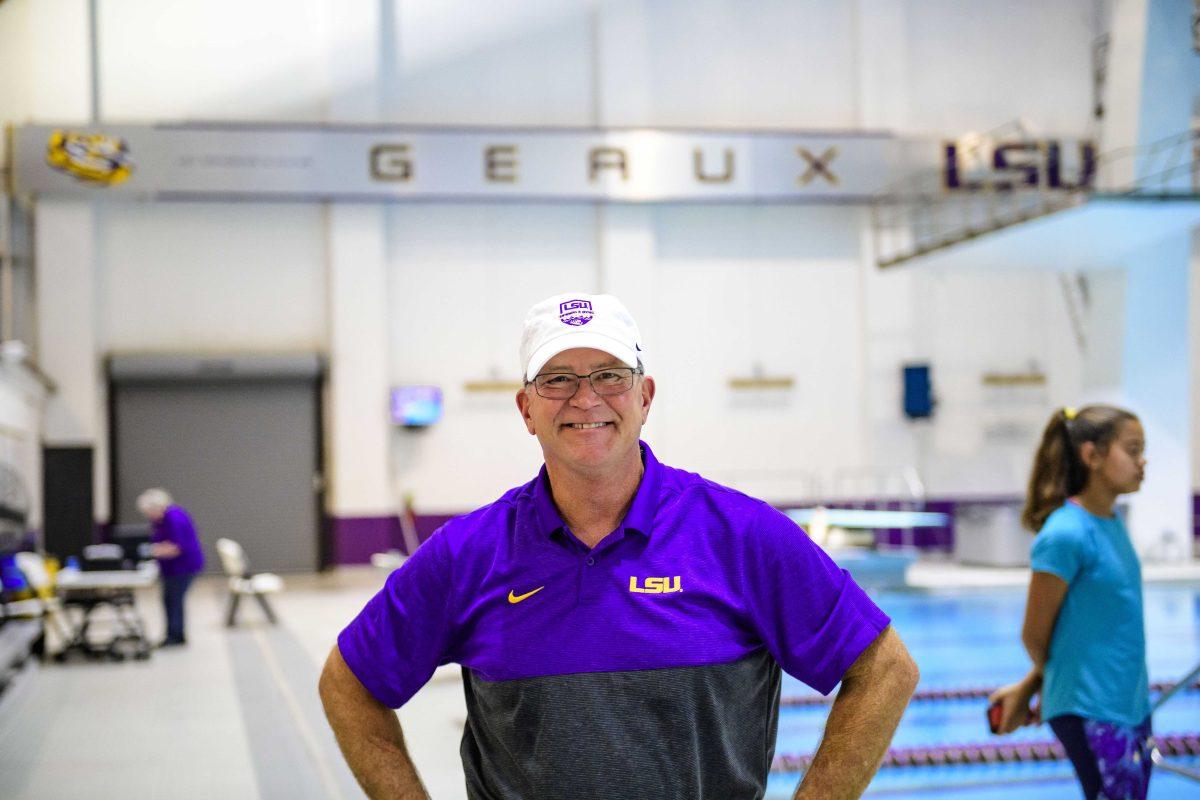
pixel 1058 471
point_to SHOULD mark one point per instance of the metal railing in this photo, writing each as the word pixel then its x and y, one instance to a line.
pixel 1156 755
pixel 882 489
pixel 924 213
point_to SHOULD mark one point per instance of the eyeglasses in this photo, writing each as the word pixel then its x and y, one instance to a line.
pixel 605 382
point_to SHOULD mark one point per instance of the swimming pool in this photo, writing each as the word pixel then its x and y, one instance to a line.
pixel 970 640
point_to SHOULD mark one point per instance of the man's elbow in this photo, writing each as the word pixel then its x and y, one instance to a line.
pixel 889 663
pixel 901 669
pixel 908 674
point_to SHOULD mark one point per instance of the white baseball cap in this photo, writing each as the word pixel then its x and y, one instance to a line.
pixel 574 319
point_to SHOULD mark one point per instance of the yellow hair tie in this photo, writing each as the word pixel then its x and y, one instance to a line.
pixel 1069 412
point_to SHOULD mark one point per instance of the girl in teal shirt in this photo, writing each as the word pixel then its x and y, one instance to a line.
pixel 1084 626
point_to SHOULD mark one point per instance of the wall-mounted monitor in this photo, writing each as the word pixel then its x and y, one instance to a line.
pixel 416 406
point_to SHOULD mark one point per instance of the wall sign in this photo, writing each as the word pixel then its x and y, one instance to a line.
pixel 287 162
pixel 1030 164
pixel 322 163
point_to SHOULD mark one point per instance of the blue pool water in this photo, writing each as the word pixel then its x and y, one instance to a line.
pixel 972 639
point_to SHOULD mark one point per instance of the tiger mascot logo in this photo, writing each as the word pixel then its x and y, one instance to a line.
pixel 90 157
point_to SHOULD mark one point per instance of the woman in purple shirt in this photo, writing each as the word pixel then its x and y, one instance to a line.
pixel 177 547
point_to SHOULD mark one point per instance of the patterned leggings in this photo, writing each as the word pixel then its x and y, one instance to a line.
pixel 1112 761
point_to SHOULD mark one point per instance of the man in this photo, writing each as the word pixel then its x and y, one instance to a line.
pixel 621 624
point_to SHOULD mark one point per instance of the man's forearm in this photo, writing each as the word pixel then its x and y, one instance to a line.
pixel 369 736
pixel 862 721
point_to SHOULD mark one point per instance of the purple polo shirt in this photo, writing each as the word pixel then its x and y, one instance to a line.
pixel 664 640
pixel 176 526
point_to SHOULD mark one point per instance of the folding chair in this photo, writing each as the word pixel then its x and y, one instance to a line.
pixel 241 582
pixel 44 604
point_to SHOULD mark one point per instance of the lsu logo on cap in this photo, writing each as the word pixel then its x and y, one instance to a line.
pixel 575 312
pixel 91 158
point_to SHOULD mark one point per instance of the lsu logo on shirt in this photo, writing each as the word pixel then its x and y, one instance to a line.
pixel 655 585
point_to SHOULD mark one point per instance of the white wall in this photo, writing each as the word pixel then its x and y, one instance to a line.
pixel 462 277
pixel 740 289
pixel 973 66
pixel 786 64
pixel 490 62
pixel 727 289
pixel 196 277
pixel 1009 322
pixel 696 63
pixel 219 59
pixel 44 72
pixel 717 289
pixel 189 278
pixel 15 86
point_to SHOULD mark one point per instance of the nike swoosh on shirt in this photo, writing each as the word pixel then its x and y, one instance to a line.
pixel 516 598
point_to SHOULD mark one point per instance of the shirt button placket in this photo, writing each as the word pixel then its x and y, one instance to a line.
pixel 585 577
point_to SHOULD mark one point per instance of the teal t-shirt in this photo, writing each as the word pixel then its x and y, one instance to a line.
pixel 1097 662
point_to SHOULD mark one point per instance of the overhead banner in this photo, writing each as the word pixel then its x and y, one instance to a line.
pixel 320 163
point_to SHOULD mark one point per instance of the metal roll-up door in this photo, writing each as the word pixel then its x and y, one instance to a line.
pixel 235 440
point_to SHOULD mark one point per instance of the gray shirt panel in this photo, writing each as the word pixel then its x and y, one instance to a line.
pixel 687 733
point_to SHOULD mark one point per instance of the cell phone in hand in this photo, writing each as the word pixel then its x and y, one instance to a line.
pixel 995 713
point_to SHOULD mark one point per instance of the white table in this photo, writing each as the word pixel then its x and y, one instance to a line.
pixel 71 580
pixel 87 591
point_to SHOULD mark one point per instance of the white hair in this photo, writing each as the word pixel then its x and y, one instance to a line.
pixel 153 500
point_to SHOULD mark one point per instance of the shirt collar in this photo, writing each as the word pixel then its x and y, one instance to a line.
pixel 640 516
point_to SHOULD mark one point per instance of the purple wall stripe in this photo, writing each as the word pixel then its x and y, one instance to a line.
pixel 1196 516
pixel 354 539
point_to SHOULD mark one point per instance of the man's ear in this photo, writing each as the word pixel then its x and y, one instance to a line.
pixel 523 406
pixel 647 390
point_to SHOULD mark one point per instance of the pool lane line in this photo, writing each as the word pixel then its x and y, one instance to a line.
pixel 969 693
pixel 959 786
pixel 1185 744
